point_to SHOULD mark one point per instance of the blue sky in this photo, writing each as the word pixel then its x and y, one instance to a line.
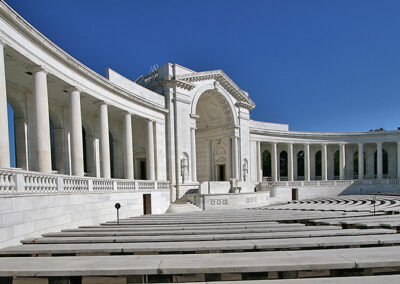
pixel 318 65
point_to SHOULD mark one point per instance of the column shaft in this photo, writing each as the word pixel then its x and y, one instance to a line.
pixel 104 142
pixel 128 147
pixel 379 168
pixel 42 123
pixel 274 161
pixel 229 158
pixel 360 161
pixel 150 151
pixel 307 168
pixel 76 134
pixel 4 141
pixel 210 160
pixel 290 162
pixel 259 161
pixel 235 157
pixel 193 150
pixel 342 161
pixel 324 162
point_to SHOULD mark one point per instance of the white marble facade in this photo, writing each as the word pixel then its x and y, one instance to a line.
pixel 174 124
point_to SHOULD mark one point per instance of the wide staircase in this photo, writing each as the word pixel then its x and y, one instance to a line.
pixel 182 205
pixel 351 239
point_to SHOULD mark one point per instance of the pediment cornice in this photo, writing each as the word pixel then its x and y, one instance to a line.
pixel 223 79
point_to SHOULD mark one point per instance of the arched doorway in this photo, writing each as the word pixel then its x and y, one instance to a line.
pixel 216 156
pixel 267 172
pixel 300 165
pixel 283 165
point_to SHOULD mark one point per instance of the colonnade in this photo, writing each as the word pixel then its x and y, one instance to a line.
pixel 309 161
pixel 41 131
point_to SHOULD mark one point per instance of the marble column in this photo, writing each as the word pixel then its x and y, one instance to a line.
pixel 398 159
pixel 259 162
pixel 150 151
pixel 128 147
pixel 235 158
pixel 307 163
pixel 379 168
pixel 342 161
pixel 290 162
pixel 229 158
pixel 42 122
pixel 324 162
pixel 274 162
pixel 193 153
pixel 76 134
pixel 360 161
pixel 105 165
pixel 4 141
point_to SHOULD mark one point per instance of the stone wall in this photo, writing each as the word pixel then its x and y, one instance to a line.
pixel 23 216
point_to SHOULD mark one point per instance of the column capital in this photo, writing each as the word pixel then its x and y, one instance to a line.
pixel 73 89
pixel 379 143
pixel 101 102
pixel 37 69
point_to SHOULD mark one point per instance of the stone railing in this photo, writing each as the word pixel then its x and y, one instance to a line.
pixel 330 183
pixel 15 181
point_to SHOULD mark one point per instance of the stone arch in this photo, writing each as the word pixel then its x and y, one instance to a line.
pixel 216 88
pixel 215 126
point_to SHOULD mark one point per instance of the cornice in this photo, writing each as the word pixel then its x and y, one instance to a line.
pixel 30 32
pixel 223 79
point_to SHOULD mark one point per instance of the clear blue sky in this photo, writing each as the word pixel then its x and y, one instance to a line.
pixel 317 65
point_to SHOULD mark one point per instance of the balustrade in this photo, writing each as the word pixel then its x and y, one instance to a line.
pixel 25 182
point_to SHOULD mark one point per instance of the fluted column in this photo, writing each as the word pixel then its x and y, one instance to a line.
pixel 128 147
pixel 42 123
pixel 193 152
pixel 360 161
pixel 398 159
pixel 379 168
pixel 290 162
pixel 76 133
pixel 342 161
pixel 104 142
pixel 235 158
pixel 274 162
pixel 4 141
pixel 307 167
pixel 324 162
pixel 150 151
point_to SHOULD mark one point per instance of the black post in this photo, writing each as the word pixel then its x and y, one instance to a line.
pixel 117 206
pixel 374 201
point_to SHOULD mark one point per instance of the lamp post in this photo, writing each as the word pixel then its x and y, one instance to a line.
pixel 117 206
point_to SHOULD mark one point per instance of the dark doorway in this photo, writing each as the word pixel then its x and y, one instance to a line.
pixel 146 204
pixel 143 173
pixel 221 172
pixel 295 193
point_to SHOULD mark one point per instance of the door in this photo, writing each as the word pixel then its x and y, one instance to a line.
pixel 146 204
pixel 295 193
pixel 221 172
